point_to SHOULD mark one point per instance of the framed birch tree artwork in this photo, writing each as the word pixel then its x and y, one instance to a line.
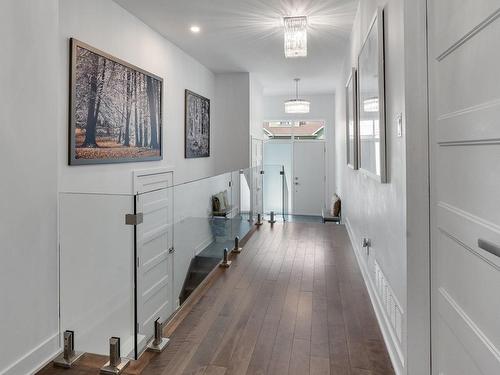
pixel 197 126
pixel 115 109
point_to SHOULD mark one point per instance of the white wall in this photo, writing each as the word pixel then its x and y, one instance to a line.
pixel 231 112
pixel 370 209
pixel 28 190
pixel 256 108
pixel 105 25
pixel 322 108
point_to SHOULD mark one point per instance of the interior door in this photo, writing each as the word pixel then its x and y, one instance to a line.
pixel 308 177
pixel 465 179
pixel 155 256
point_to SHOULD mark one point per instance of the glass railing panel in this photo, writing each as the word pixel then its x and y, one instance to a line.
pixel 286 194
pixel 256 177
pixel 203 213
pixel 97 271
pixel 155 262
pixel 273 190
pixel 241 222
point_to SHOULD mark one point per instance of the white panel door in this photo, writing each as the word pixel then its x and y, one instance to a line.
pixel 155 257
pixel 465 180
pixel 308 182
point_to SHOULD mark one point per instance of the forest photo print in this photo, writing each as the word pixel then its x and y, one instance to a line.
pixel 115 109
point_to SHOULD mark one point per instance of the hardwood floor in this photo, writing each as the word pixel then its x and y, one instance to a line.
pixel 293 302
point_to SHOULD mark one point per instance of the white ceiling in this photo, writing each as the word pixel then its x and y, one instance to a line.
pixel 247 36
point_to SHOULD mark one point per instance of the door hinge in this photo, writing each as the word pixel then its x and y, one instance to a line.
pixel 137 262
pixel 134 219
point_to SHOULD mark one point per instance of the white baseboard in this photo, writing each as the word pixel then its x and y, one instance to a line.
pixel 390 337
pixel 36 358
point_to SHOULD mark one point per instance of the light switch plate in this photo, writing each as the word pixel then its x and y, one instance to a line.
pixel 399 125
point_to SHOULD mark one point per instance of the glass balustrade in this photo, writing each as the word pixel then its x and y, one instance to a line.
pixel 142 256
pixel 96 257
pixel 275 196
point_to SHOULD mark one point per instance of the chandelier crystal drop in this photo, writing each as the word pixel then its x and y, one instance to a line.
pixel 297 105
pixel 295 36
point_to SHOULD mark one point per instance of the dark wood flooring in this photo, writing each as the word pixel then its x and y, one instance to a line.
pixel 293 302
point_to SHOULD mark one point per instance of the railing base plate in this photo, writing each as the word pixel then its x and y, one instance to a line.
pixel 60 361
pixel 108 369
pixel 158 348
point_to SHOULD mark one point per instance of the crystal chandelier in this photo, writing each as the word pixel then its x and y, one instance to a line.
pixel 297 105
pixel 295 36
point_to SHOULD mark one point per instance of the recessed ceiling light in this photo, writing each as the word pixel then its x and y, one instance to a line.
pixel 195 29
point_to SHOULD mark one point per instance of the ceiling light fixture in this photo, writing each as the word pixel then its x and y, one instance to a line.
pixel 297 105
pixel 295 36
pixel 195 29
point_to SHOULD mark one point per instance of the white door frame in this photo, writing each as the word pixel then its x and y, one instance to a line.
pixel 292 141
pixel 416 135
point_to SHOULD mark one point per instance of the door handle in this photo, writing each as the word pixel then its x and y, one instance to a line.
pixel 488 246
pixel 171 250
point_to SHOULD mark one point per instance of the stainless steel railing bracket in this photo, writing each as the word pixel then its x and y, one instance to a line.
pixel 69 356
pixel 159 342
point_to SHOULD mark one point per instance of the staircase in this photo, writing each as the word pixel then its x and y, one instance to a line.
pixel 199 268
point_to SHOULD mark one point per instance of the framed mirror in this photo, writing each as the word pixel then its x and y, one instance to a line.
pixel 371 103
pixel 351 121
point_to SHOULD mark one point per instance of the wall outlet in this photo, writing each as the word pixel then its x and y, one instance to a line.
pixel 367 243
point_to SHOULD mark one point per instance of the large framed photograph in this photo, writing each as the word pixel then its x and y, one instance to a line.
pixel 115 109
pixel 351 121
pixel 197 126
pixel 371 102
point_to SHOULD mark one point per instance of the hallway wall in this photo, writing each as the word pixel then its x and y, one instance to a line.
pixel 107 26
pixel 370 209
pixel 231 112
pixel 29 94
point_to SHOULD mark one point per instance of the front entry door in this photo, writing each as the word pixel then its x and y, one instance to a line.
pixel 308 182
pixel 465 180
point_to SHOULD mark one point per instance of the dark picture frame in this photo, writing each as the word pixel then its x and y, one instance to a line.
pixel 352 133
pixel 196 126
pixel 371 102
pixel 115 109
